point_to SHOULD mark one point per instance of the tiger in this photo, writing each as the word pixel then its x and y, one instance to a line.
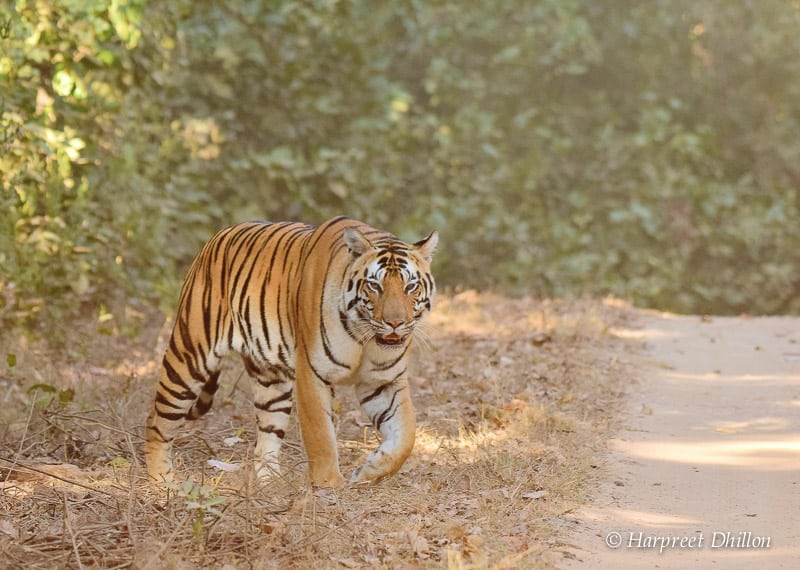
pixel 307 308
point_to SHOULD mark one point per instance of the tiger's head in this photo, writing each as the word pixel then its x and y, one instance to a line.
pixel 390 288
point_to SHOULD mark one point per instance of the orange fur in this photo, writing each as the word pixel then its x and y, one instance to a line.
pixel 308 308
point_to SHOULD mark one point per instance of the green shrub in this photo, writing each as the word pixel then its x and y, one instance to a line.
pixel 561 147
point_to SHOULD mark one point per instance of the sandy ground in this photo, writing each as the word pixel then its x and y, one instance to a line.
pixel 705 472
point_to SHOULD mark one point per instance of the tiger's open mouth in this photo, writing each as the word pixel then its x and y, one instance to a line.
pixel 391 339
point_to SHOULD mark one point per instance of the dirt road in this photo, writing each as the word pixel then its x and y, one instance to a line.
pixel 705 472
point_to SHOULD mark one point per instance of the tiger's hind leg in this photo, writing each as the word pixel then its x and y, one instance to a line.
pixel 273 388
pixel 185 391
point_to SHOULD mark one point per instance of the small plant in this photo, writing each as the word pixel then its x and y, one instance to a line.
pixel 45 394
pixel 203 500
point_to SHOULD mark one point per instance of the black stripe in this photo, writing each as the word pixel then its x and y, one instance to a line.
pixel 346 326
pixel 207 302
pixel 272 429
pixel 297 233
pixel 385 416
pixel 252 368
pixel 206 399
pixel 194 372
pixel 245 326
pixel 280 320
pixel 161 399
pixel 276 247
pixel 266 406
pixel 263 311
pixel 173 346
pixel 283 358
pixel 316 372
pixel 170 416
pixel 259 346
pixel 383 419
pixel 379 367
pixel 268 383
pixel 184 395
pixel 183 329
pixel 159 434
pixel 322 230
pixel 236 285
pixel 326 342
pixel 287 302
pixel 173 376
pixel 375 393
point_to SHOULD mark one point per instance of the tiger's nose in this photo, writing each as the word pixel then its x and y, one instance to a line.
pixel 394 324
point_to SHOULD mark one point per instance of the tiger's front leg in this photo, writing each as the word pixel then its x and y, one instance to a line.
pixel 315 415
pixel 389 407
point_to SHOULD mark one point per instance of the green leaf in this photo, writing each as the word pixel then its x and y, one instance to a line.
pixel 66 396
pixel 47 388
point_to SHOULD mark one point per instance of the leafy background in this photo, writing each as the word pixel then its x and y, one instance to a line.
pixel 561 147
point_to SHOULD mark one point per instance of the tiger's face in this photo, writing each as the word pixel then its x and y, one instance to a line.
pixel 390 289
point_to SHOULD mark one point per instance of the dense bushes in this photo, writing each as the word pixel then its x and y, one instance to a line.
pixel 560 146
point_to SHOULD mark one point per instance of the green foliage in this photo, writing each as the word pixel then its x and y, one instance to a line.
pixel 200 500
pixel 560 146
pixel 43 395
pixel 62 76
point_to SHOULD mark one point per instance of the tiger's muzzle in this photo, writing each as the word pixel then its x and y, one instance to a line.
pixel 391 339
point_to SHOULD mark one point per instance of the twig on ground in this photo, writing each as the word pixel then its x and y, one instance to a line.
pixel 157 556
pixel 68 526
pixel 24 434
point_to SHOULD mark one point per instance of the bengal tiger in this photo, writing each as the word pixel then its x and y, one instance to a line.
pixel 307 308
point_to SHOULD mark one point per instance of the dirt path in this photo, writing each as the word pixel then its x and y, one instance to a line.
pixel 706 470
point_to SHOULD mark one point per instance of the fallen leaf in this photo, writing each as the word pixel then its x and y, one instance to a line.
pixel 7 527
pixel 540 339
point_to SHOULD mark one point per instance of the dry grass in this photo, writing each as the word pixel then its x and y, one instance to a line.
pixel 514 400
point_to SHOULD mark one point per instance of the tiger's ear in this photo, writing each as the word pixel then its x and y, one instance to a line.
pixel 356 242
pixel 426 247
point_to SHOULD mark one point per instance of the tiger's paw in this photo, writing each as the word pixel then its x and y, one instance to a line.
pixel 367 474
pixel 327 480
pixel 267 470
pixel 159 466
pixel 161 473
